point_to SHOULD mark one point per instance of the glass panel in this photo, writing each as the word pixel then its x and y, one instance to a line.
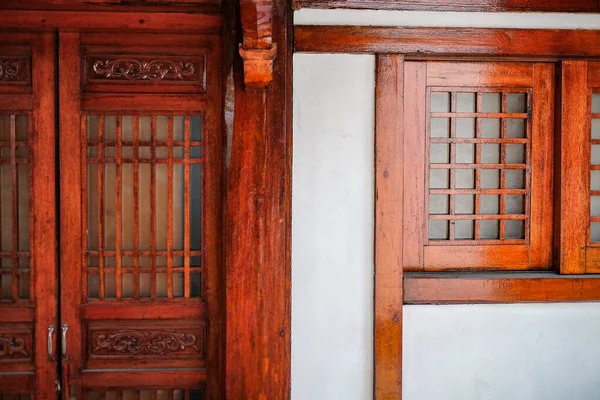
pixel 465 127
pixel 516 103
pixel 515 154
pixel 440 127
pixel 438 204
pixel 440 102
pixel 489 204
pixel 465 153
pixel 439 153
pixel 490 128
pixel 465 102
pixel 464 230
pixel 491 102
pixel 596 103
pixel 465 178
pixel 490 153
pixel 438 230
pixel 595 232
pixel 464 204
pixel 439 179
pixel 515 128
pixel 489 229
pixel 515 230
pixel 515 204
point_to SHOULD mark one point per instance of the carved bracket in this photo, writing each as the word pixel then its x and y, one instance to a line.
pixel 257 50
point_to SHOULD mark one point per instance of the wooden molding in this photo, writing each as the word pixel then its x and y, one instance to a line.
pixel 456 5
pixel 474 288
pixel 420 43
pixel 257 48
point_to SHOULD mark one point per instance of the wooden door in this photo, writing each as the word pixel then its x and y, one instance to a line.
pixel 28 291
pixel 139 153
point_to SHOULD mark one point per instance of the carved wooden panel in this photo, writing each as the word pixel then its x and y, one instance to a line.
pixel 15 69
pixel 162 73
pixel 141 342
pixel 156 343
pixel 148 394
pixel 16 345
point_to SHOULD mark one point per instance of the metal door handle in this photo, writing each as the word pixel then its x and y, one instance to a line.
pixel 50 341
pixel 65 328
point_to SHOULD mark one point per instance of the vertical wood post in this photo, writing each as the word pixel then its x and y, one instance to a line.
pixel 257 230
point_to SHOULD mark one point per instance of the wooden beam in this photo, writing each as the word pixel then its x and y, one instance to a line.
pixel 110 20
pixel 481 287
pixel 257 48
pixel 257 229
pixel 421 42
pixel 457 5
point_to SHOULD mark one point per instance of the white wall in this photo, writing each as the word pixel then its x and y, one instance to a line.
pixel 484 352
pixel 332 228
pixel 498 352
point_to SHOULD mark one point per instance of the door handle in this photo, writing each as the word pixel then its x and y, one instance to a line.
pixel 50 343
pixel 65 328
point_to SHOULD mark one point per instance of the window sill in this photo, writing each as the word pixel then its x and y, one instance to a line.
pixel 499 287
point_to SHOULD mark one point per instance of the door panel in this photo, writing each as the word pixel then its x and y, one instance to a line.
pixel 28 292
pixel 139 197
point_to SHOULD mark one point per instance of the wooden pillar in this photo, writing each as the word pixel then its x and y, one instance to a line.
pixel 257 229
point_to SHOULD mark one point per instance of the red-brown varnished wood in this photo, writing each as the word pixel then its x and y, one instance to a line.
pixel 574 172
pixel 414 128
pixel 542 177
pixel 457 5
pixel 257 48
pixel 472 288
pixel 43 209
pixel 421 42
pixel 389 176
pixel 491 74
pixel 257 227
pixel 71 181
pixel 187 22
pixel 476 257
pixel 100 5
pixel 28 258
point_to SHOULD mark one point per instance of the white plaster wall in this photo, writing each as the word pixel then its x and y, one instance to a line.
pixel 332 228
pixel 483 352
pixel 501 352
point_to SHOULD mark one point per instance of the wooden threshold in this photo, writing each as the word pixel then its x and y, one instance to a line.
pixel 506 287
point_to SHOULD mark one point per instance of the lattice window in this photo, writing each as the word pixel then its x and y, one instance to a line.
pixel 144 206
pixel 15 218
pixel 166 394
pixel 479 145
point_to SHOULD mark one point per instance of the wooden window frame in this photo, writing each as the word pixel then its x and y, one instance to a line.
pixel 393 46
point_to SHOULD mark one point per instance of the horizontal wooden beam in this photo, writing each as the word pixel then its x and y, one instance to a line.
pixel 456 5
pixel 420 42
pixel 475 288
pixel 106 20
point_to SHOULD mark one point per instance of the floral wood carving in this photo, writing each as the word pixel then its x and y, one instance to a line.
pixel 138 70
pixel 257 50
pixel 12 347
pixel 14 69
pixel 131 342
